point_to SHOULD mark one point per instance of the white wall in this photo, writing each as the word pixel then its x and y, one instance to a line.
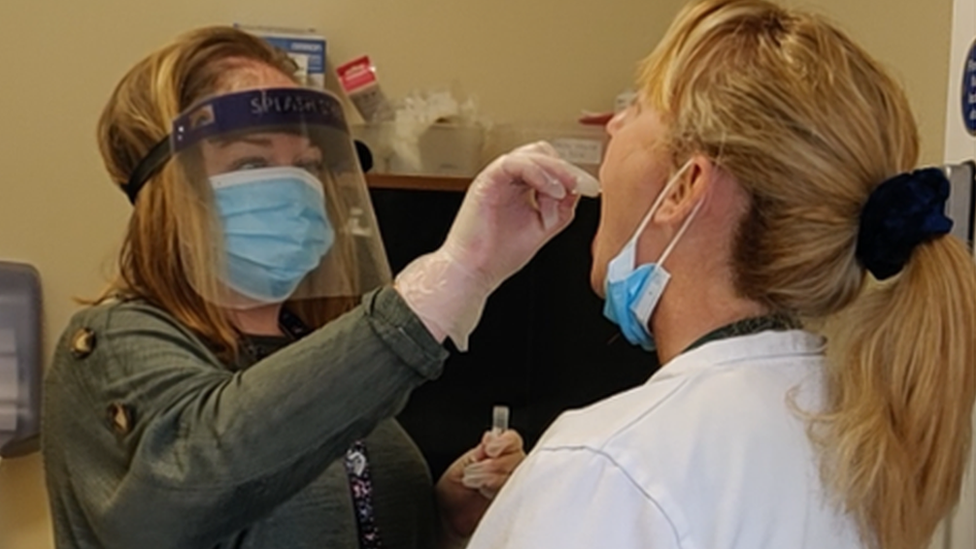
pixel 959 146
pixel 525 59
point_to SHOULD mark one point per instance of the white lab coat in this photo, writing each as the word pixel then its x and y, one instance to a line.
pixel 708 454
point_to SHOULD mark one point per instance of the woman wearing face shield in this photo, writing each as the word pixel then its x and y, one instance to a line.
pixel 766 232
pixel 228 390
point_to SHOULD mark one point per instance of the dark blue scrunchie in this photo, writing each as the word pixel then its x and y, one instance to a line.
pixel 901 213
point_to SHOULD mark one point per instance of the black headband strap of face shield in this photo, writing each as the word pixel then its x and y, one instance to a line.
pixel 147 167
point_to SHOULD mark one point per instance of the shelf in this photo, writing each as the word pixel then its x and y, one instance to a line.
pixel 417 182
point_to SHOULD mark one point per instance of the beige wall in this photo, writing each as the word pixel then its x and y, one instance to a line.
pixel 525 59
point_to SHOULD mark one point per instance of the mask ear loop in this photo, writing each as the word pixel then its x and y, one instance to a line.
pixel 681 232
pixel 644 306
pixel 632 243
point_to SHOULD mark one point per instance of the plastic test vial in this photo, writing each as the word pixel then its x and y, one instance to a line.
pixel 499 420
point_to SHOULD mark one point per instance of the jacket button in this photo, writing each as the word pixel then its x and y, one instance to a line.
pixel 119 418
pixel 83 343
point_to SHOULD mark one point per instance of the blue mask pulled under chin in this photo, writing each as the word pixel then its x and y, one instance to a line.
pixel 633 291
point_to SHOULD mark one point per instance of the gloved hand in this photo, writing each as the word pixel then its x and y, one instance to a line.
pixel 513 207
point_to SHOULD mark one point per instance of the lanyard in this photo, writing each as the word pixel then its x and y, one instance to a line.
pixel 747 326
pixel 361 487
pixel 356 460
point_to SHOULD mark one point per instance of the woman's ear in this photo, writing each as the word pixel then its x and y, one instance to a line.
pixel 690 189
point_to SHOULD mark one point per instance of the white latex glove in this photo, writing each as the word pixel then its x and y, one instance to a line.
pixel 512 208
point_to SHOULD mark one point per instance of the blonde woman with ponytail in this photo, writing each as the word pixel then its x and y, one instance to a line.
pixel 767 232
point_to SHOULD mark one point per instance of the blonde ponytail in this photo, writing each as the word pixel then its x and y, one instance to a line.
pixel 901 387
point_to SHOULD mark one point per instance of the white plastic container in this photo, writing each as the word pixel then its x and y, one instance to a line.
pixel 583 146
pixel 447 150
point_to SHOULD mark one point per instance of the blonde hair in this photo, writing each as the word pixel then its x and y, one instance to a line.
pixel 809 124
pixel 155 252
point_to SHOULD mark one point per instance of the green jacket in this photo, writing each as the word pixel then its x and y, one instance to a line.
pixel 150 442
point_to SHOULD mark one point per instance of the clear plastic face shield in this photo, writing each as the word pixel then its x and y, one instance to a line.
pixel 277 206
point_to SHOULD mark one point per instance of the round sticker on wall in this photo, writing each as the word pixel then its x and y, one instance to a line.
pixel 969 91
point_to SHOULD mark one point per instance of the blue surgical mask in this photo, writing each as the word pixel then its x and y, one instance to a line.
pixel 633 291
pixel 276 229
